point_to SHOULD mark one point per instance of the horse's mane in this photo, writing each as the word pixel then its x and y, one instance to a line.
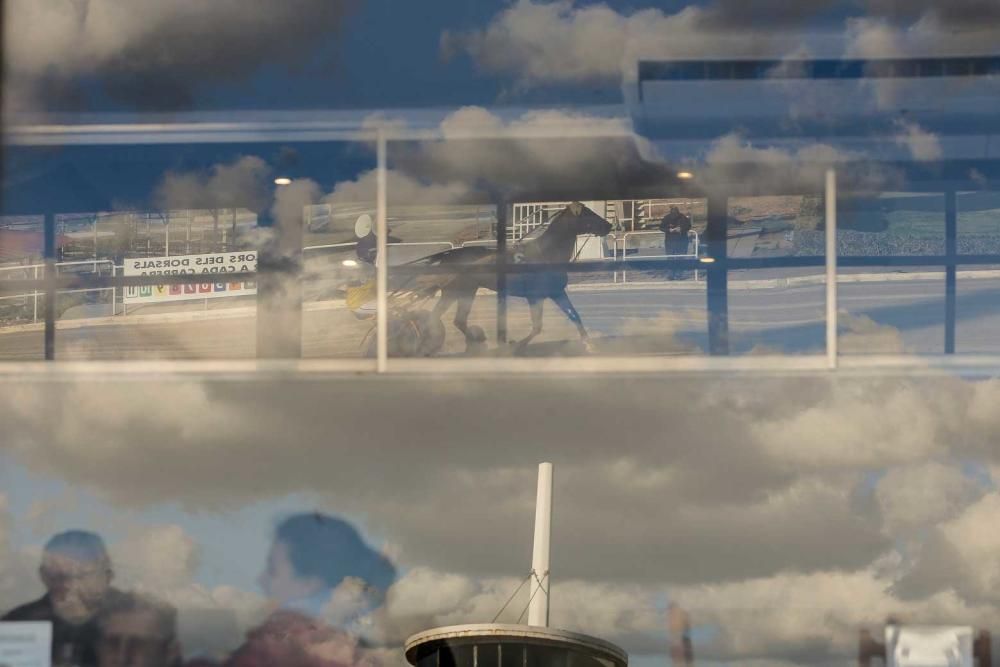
pixel 537 232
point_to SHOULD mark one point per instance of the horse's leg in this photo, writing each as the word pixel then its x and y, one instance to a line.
pixel 447 298
pixel 473 334
pixel 536 322
pixel 562 300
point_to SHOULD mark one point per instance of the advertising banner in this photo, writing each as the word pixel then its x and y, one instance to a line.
pixel 214 267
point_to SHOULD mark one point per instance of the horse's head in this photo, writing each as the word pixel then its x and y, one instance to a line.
pixel 582 220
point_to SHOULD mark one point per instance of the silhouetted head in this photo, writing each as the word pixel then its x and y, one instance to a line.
pixel 313 554
pixel 137 631
pixel 582 220
pixel 76 571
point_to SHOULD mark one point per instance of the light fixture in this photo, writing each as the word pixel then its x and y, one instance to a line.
pixel 707 260
pixel 350 262
pixel 282 180
pixel 684 175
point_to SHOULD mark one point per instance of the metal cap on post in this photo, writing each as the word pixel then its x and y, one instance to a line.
pixel 538 607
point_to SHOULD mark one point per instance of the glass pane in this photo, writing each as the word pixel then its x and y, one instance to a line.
pixel 891 311
pixel 776 310
pixel 891 223
pixel 338 287
pixel 776 226
pixel 194 210
pixel 978 222
pixel 443 278
pixel 21 311
pixel 977 310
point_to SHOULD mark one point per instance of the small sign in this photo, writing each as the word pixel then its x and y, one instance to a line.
pixel 26 644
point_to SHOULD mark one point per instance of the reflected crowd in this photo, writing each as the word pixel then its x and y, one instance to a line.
pixel 325 586
pixel 322 580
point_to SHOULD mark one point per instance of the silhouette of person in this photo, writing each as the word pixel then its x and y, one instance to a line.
pixel 76 572
pixel 137 631
pixel 675 227
pixel 325 582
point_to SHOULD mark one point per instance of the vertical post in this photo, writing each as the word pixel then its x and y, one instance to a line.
pixel 717 286
pixel 279 283
pixel 950 276
pixel 50 286
pixel 35 276
pixel 166 236
pixel 381 257
pixel 503 222
pixel 95 243
pixel 831 269
pixel 541 582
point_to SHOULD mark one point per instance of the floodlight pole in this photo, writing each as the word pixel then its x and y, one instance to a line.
pixel 538 607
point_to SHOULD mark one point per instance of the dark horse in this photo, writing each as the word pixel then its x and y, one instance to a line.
pixel 552 243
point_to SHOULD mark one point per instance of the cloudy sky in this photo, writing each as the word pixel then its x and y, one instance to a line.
pixel 783 513
pixel 84 54
pixel 477 66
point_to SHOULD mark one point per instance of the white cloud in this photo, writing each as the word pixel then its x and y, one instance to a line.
pixel 808 619
pixel 401 188
pixel 922 145
pixel 51 44
pixel 535 151
pixel 242 183
pixel 851 428
pixel 916 497
pixel 159 557
pixel 961 555
pixel 930 35
pixel 765 169
pixel 562 42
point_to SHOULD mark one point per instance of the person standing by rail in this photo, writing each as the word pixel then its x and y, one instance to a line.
pixel 675 227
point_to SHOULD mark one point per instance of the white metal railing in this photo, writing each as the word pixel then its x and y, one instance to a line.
pixel 37 272
pixel 623 240
pixel 448 244
pixel 525 218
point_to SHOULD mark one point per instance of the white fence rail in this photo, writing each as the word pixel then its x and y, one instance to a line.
pixel 694 243
pixel 37 272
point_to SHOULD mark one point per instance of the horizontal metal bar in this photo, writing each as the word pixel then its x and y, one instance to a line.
pixel 240 370
pixel 67 282
pixel 634 263
pixel 833 68
pixel 235 369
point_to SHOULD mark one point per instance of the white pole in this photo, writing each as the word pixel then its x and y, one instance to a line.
pixel 831 269
pixel 34 318
pixel 538 608
pixel 381 258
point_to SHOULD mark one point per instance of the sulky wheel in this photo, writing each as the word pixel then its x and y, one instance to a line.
pixel 410 334
pixel 430 332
